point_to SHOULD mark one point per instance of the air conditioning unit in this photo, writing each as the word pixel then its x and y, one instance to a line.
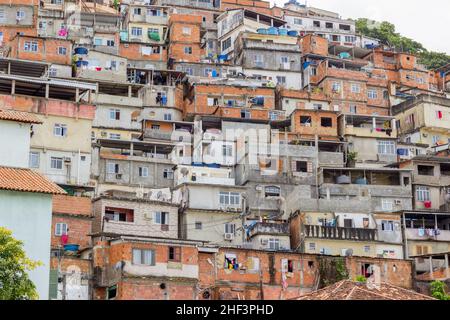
pixel 118 176
pixel 229 236
pixel 259 188
pixel 398 202
pixel 148 216
pixel 264 242
pixel 67 159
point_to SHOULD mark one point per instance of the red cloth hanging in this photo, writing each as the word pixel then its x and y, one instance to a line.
pixel 64 239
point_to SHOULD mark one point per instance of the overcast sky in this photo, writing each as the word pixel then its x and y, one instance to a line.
pixel 425 21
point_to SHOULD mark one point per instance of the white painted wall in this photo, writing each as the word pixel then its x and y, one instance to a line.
pixel 15 143
pixel 29 217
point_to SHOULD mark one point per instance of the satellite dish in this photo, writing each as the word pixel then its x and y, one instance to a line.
pixel 349 252
pixel 184 171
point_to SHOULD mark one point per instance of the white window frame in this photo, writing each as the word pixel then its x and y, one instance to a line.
pixel 227 150
pixel 30 46
pixel 274 244
pixel 111 168
pixel 186 31
pixel 386 147
pixel 114 136
pixel 61 229
pixel 113 114
pixel 136 31
pixel 387 205
pixel 60 130
pixel 160 216
pixel 423 194
pixel 143 257
pixel 168 174
pixel 387 225
pixel 62 51
pixel 230 199
pixel 229 228
pixel 356 88
pixel 187 50
pixel 34 160
pixel 54 163
pixel 143 172
pixel 372 94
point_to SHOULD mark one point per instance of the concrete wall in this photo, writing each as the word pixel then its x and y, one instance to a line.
pixel 15 142
pixel 28 216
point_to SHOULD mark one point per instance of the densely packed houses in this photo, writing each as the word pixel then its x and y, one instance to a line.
pixel 217 149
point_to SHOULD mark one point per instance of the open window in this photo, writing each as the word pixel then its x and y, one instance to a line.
pixel 326 122
pixel 301 166
pixel 366 270
pixel 305 121
pixel 175 254
pixel 272 191
pixel 119 214
pixel 425 170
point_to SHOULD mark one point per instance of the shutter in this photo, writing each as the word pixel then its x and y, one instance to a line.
pixel 53 287
pixel 419 250
pixel 425 249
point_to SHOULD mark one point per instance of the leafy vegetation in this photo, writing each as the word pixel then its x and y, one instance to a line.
pixel 387 34
pixel 332 270
pixel 438 290
pixel 361 279
pixel 14 264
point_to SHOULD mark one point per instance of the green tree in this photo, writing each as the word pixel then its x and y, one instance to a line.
pixel 14 264
pixel 438 290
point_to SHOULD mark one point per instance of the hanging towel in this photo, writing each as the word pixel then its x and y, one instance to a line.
pixel 421 232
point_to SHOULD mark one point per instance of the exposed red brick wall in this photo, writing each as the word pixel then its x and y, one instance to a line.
pixel 72 205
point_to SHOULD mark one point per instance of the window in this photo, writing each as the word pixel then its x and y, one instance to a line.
pixel 168 174
pixel 305 121
pixel 281 80
pixel 175 254
pixel 56 163
pixel 137 11
pixel 345 27
pixel 336 87
pixel 386 147
pixel 2 17
pixel 114 136
pixel 62 51
pixel 348 223
pixel 298 21
pixel 366 248
pixel 245 114
pixel 189 71
pixel 162 218
pixel 301 166
pixel 425 170
pixel 312 246
pixel 198 225
pixel 435 139
pixel 316 24
pixel 52 72
pixel 230 228
pixel 335 38
pixel 272 191
pixel 385 95
pixel 350 39
pixel 143 172
pixel 110 43
pixel 423 194
pixel 186 30
pixel 372 94
pixel 135 31
pixel 356 88
pixel 387 225
pixel 232 199
pixel 114 114
pixel 60 229
pixel 227 150
pixel 386 205
pixel 273 115
pixel 226 44
pixel 34 160
pixel 112 168
pixel 317 106
pixel 326 122
pixel 353 109
pixel 274 244
pixel 60 130
pixel 143 257
pixel 188 50
pixel 329 25
pixel 167 116
pixel 30 46
pixel 98 41
pixel 259 60
pixel 20 14
pixel 119 214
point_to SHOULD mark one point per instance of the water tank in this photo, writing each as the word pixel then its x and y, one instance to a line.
pixel 292 33
pixel 283 32
pixel 361 181
pixel 343 180
pixel 262 31
pixel 81 50
pixel 272 31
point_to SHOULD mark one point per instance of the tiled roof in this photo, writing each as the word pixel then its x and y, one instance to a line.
pixel 350 290
pixel 12 115
pixel 26 180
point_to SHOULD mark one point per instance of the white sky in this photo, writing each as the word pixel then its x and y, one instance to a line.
pixel 425 21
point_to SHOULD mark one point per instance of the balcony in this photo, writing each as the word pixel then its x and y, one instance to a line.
pixel 157 134
pixel 370 127
pixel 413 234
pixel 203 175
pixel 340 233
pixel 272 228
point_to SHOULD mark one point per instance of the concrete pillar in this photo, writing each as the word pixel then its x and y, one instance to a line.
pixel 47 91
pixel 13 87
pixel 130 92
pixel 447 267
pixel 430 260
pixel 77 94
pixel 374 123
